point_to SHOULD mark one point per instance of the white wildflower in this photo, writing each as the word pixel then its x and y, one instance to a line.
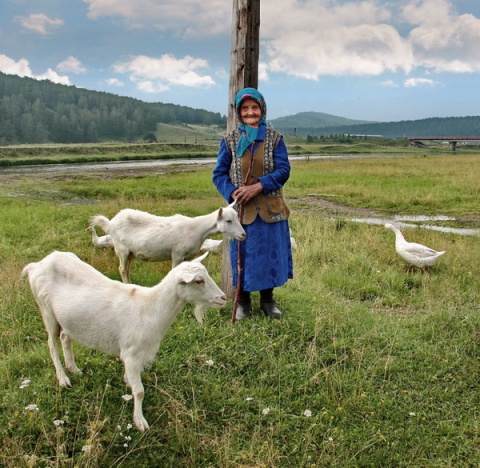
pixel 411 414
pixel 86 448
pixel 307 413
pixel 127 397
pixel 31 407
pixel 330 439
pixel 209 362
pixel 119 428
pixel 248 399
pixel 125 445
pixel 266 411
pixel 58 422
pixel 25 383
pixel 129 426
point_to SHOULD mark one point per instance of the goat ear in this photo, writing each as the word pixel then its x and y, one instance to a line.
pixel 199 259
pixel 188 276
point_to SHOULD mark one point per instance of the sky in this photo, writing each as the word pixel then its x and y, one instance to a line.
pixel 375 60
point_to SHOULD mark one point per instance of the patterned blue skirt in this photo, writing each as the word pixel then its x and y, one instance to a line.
pixel 266 256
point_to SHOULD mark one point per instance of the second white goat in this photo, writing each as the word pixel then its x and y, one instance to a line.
pixel 137 234
pixel 78 303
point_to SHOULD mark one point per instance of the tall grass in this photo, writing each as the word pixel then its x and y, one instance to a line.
pixel 370 365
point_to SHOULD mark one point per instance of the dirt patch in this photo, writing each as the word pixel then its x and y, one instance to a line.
pixel 322 203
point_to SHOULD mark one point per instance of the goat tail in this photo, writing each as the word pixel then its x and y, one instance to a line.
pixel 100 221
pixel 26 269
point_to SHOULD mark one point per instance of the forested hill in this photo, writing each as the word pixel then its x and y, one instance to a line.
pixel 313 120
pixel 33 111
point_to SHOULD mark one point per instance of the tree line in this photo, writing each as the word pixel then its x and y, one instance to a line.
pixel 34 111
pixel 431 127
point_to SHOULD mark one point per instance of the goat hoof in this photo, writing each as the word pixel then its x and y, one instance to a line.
pixel 142 424
pixel 65 382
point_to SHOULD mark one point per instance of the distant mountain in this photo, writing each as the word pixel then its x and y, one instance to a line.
pixel 319 124
pixel 312 120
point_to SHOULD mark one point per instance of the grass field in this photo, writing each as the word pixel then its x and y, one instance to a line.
pixel 370 365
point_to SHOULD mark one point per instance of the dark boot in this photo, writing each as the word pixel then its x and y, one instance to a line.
pixel 243 306
pixel 242 312
pixel 268 304
pixel 271 309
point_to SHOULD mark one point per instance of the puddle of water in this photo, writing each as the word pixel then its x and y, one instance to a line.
pixel 397 221
pixel 423 218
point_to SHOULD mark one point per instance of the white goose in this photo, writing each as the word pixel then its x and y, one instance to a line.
pixel 417 255
pixel 101 242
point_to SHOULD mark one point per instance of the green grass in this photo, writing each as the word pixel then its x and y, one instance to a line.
pixel 386 361
pixel 395 184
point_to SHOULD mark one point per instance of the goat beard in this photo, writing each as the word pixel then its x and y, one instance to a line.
pixel 199 312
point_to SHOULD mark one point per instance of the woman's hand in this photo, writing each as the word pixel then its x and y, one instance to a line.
pixel 244 194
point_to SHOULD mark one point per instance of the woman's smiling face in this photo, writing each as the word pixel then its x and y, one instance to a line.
pixel 250 112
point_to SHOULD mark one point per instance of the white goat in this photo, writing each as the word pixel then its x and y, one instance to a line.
pixel 212 246
pixel 78 303
pixel 137 234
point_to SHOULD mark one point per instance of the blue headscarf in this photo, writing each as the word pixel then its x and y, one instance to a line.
pixel 248 134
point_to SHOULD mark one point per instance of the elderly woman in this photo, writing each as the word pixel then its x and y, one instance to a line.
pixel 252 167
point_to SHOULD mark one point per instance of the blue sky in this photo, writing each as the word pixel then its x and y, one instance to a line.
pixel 379 60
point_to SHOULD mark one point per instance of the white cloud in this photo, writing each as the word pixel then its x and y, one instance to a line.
pixel 389 84
pixel 415 82
pixel 443 40
pixel 154 75
pixel 262 72
pixel 10 67
pixel 311 38
pixel 54 77
pixel 22 68
pixel 71 64
pixel 39 23
pixel 185 17
pixel 115 82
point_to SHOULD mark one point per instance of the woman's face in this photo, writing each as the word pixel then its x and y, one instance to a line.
pixel 250 112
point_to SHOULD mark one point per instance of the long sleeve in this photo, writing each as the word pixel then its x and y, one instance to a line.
pixel 221 176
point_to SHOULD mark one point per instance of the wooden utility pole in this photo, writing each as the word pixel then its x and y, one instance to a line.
pixel 244 55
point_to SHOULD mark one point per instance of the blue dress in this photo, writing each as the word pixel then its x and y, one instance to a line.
pixel 266 253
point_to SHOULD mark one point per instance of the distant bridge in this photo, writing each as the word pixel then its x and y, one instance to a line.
pixel 452 140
